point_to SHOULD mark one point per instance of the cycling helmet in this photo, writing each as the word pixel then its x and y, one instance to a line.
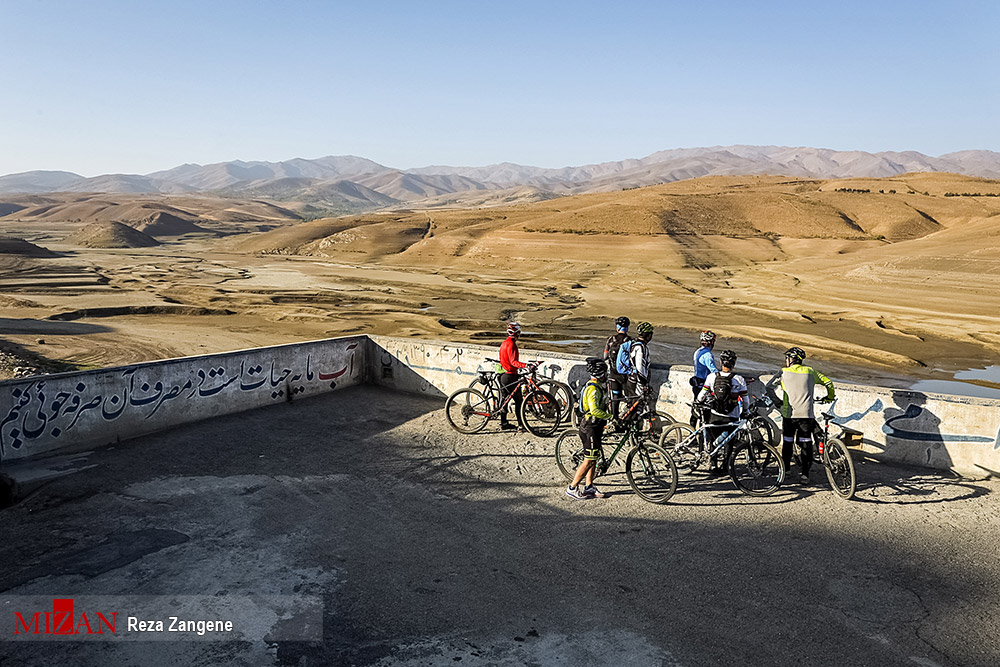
pixel 644 329
pixel 707 337
pixel 622 323
pixel 728 359
pixel 597 368
pixel 513 329
pixel 796 354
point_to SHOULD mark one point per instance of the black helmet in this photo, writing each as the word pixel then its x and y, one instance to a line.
pixel 728 359
pixel 645 330
pixel 597 368
pixel 796 354
pixel 622 323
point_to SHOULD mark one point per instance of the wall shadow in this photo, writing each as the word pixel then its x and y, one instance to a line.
pixel 30 327
pixel 453 549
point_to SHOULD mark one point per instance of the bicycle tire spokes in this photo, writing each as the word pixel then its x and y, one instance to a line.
pixel 839 468
pixel 756 468
pixel 651 473
pixel 468 411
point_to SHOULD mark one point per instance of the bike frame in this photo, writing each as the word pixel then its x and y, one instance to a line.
pixel 818 446
pixel 493 392
pixel 719 442
pixel 630 434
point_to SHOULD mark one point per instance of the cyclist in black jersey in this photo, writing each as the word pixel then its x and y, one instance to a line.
pixel 616 381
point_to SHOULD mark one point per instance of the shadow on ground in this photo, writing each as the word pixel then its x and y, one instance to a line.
pixel 429 547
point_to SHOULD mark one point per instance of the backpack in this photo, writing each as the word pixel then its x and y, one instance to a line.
pixel 612 346
pixel 623 362
pixel 723 399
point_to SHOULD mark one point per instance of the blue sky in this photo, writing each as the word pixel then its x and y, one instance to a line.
pixel 105 87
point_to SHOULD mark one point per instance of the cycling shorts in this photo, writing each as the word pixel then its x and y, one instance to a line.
pixel 592 437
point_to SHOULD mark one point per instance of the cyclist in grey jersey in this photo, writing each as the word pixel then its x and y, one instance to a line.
pixel 798 416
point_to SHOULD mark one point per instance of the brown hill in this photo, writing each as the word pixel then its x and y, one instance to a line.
pixel 111 235
pixel 22 248
pixel 218 213
pixel 162 223
pixel 756 212
pixel 525 194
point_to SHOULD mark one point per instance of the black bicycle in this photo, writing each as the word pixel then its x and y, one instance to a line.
pixel 469 410
pixel 835 457
pixel 649 422
pixel 562 392
pixel 649 469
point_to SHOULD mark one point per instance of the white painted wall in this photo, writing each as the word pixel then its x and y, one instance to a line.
pixel 72 410
pixel 933 430
pixel 68 410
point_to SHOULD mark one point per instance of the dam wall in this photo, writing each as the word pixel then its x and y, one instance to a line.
pixel 69 411
pixel 97 407
pixel 932 430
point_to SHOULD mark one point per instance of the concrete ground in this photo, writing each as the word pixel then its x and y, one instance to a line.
pixel 431 548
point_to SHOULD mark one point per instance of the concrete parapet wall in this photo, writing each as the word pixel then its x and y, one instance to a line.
pixel 72 410
pixel 66 410
pixel 933 430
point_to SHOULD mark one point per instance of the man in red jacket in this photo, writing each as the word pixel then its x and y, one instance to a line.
pixel 510 377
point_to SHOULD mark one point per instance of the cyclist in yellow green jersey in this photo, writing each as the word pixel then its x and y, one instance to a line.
pixel 594 406
pixel 798 419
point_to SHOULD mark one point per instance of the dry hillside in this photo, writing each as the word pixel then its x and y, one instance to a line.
pixel 213 213
pixel 111 235
pixel 875 277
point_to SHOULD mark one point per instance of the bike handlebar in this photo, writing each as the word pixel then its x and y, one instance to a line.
pixel 534 362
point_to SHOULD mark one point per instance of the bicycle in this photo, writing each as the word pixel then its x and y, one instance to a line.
pixel 649 469
pixel 757 416
pixel 562 392
pixel 755 467
pixel 649 422
pixel 469 410
pixel 835 457
pixel 757 411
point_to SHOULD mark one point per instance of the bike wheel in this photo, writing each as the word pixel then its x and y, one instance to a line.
pixel 684 450
pixel 564 397
pixel 839 468
pixel 767 430
pixel 651 473
pixel 467 410
pixel 540 413
pixel 756 468
pixel 569 453
pixel 652 424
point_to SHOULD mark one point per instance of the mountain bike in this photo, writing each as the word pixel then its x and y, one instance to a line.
pixel 649 422
pixel 562 392
pixel 758 414
pixel 649 469
pixel 755 467
pixel 835 457
pixel 469 410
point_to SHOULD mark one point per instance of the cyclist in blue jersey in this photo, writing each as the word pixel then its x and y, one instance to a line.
pixel 704 365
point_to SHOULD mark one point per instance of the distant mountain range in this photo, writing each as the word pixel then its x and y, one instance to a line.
pixel 347 184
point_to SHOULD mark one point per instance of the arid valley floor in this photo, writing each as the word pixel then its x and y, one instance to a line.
pixel 888 280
